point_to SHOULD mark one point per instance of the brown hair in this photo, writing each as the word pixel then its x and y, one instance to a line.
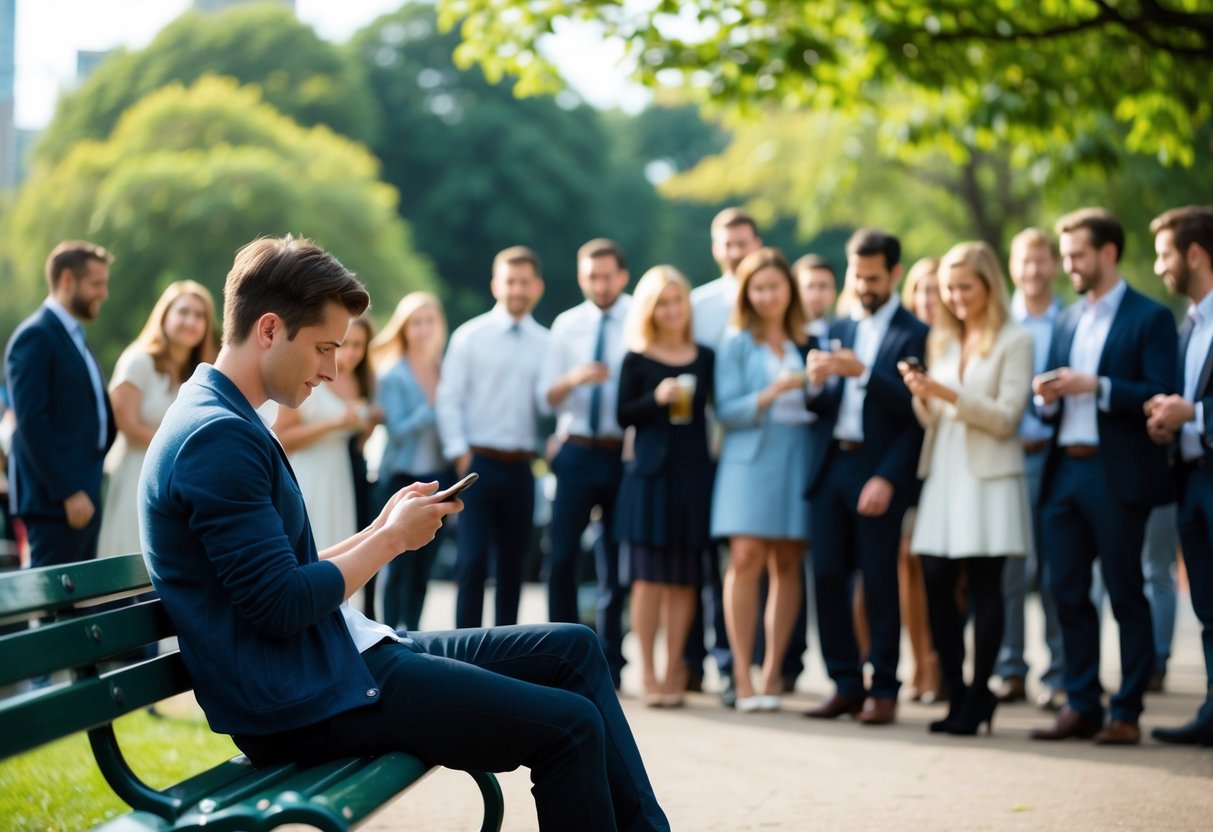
pixel 392 342
pixel 1103 225
pixel 1191 225
pixel 806 262
pixel 602 247
pixel 73 256
pixel 518 254
pixel 154 342
pixel 744 315
pixel 362 370
pixel 733 217
pixel 981 259
pixel 291 277
pixel 1035 237
pixel 639 329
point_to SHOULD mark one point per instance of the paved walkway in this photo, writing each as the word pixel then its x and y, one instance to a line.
pixel 715 769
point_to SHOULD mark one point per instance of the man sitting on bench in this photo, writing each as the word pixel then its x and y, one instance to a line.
pixel 278 661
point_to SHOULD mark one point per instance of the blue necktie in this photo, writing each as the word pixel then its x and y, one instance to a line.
pixel 596 391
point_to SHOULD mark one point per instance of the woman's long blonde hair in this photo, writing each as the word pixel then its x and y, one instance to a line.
pixel 982 260
pixel 153 340
pixel 392 343
pixel 639 329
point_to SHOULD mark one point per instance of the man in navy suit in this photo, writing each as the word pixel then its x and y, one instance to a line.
pixel 1183 422
pixel 862 477
pixel 1112 351
pixel 64 422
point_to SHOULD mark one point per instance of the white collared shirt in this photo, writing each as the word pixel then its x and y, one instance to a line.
pixel 572 342
pixel 76 330
pixel 711 307
pixel 869 333
pixel 1079 419
pixel 486 393
pixel 1199 343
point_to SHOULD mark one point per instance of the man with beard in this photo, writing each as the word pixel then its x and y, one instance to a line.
pixel 1183 242
pixel 1112 351
pixel 64 422
pixel 862 476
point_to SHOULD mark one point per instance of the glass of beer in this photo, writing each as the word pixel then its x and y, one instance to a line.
pixel 681 409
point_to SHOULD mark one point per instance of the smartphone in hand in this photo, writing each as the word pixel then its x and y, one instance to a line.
pixel 913 362
pixel 1049 377
pixel 453 492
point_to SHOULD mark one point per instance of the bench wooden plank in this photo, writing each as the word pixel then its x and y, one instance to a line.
pixel 50 589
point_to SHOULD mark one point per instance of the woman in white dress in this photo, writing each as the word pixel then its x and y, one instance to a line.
pixel 973 512
pixel 316 437
pixel 178 336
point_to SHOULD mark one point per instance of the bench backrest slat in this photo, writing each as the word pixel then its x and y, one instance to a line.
pixel 51 589
pixel 31 719
pixel 81 641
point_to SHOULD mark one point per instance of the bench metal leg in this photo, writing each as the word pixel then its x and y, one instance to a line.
pixel 494 803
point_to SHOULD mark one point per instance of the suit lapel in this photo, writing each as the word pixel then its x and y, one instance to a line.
pixel 1185 337
pixel 1117 332
pixel 1063 337
pixel 1205 372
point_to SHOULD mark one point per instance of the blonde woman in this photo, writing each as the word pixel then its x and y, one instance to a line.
pixel 758 502
pixel 973 512
pixel 664 497
pixel 178 336
pixel 407 356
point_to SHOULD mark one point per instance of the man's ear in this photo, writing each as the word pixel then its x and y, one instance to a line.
pixel 267 326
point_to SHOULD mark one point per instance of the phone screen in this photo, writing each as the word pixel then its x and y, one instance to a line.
pixel 453 492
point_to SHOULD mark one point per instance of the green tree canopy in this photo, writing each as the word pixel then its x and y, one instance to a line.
pixel 300 74
pixel 1043 78
pixel 187 177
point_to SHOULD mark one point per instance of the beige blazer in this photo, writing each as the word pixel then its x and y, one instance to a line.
pixel 993 396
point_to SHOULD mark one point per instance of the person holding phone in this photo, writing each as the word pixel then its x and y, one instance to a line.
pixel 278 660
pixel 973 511
pixel 758 501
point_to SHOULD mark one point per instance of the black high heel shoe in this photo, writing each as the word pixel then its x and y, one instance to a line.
pixel 955 706
pixel 977 710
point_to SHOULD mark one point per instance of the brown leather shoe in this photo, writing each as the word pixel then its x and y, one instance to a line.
pixel 878 711
pixel 1069 723
pixel 834 707
pixel 1012 690
pixel 1119 732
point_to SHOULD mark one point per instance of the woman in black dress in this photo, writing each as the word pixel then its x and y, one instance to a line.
pixel 665 497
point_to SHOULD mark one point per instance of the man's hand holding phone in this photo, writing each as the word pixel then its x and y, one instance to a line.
pixel 414 514
pixel 1063 381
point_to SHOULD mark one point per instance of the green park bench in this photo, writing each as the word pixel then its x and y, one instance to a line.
pixel 83 639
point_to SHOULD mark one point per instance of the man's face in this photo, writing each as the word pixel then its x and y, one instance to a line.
pixel 88 291
pixel 1033 268
pixel 817 291
pixel 293 366
pixel 731 244
pixel 601 280
pixel 1170 264
pixel 516 287
pixel 873 279
pixel 1083 262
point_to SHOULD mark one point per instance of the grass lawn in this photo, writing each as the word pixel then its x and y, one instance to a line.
pixel 57 788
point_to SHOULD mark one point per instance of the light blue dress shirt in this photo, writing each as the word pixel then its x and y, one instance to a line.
pixel 486 396
pixel 573 339
pixel 76 331
pixel 1199 343
pixel 1079 421
pixel 1040 327
pixel 711 307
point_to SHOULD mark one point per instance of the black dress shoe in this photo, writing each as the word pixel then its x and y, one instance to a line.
pixel 694 682
pixel 1070 723
pixel 834 707
pixel 1197 732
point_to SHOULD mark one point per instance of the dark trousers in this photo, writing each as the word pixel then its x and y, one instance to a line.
pixel 947 625
pixel 708 625
pixel 845 541
pixel 1196 534
pixel 1082 520
pixel 52 542
pixel 587 477
pixel 492 700
pixel 498 514
pixel 406 579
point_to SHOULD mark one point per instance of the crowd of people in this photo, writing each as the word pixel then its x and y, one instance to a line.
pixel 766 445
